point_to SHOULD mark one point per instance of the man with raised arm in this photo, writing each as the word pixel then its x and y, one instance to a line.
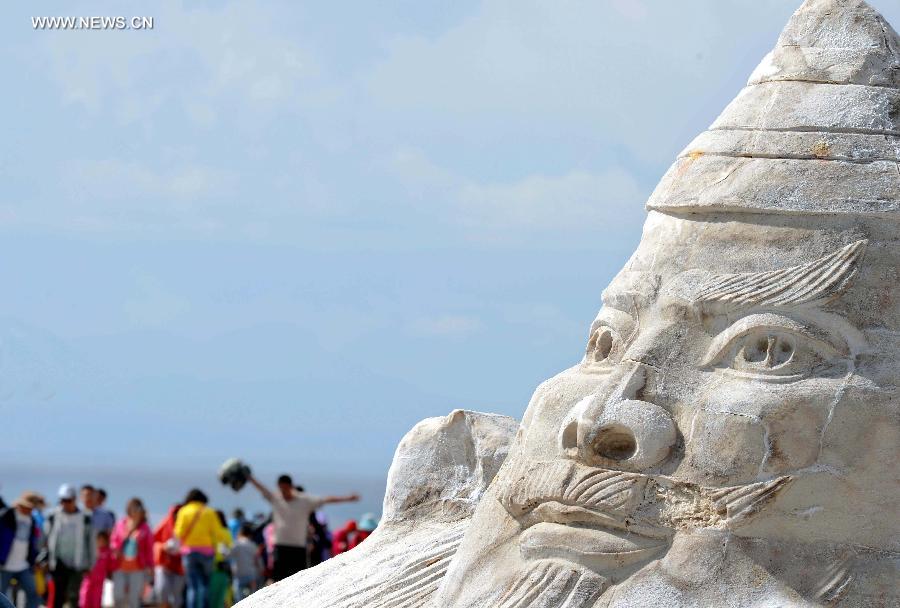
pixel 290 514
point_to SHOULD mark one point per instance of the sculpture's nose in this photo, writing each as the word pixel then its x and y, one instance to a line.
pixel 617 430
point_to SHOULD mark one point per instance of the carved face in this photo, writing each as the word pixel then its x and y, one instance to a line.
pixel 728 397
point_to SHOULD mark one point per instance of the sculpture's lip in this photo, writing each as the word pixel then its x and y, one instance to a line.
pixel 592 549
pixel 593 538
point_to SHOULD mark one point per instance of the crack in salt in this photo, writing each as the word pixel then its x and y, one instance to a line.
pixel 838 397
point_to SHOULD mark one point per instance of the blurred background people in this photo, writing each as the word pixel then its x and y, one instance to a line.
pixel 199 532
pixel 365 527
pixel 102 518
pixel 20 536
pixel 246 564
pixel 342 537
pixel 238 518
pixel 68 555
pixel 70 547
pixel 168 580
pixel 319 543
pixel 290 515
pixel 92 500
pixel 132 542
pixel 220 580
pixel 91 593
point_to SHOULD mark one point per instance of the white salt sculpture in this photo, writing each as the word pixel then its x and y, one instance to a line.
pixel 732 435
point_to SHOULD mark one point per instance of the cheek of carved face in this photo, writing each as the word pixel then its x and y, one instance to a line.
pixel 725 448
pixel 747 431
pixel 863 436
pixel 793 438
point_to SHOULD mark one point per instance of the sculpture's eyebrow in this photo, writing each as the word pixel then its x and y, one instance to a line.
pixel 807 284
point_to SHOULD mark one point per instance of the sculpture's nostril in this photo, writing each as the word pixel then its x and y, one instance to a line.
pixel 615 442
pixel 629 435
pixel 569 435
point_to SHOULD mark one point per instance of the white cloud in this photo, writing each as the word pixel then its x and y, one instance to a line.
pixel 633 9
pixel 446 326
pixel 115 196
pixel 123 181
pixel 542 117
pixel 419 175
pixel 194 57
pixel 572 201
pixel 558 208
pixel 574 69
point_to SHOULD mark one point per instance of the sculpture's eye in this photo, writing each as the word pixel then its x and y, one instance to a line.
pixel 773 346
pixel 766 351
pixel 604 345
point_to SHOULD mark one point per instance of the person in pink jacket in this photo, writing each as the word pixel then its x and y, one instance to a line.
pixel 132 541
pixel 91 592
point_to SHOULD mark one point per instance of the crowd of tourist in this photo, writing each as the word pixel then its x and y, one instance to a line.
pixel 67 554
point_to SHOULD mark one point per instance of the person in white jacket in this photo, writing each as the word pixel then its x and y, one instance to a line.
pixel 70 546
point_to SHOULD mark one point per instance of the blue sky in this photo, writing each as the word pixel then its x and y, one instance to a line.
pixel 290 230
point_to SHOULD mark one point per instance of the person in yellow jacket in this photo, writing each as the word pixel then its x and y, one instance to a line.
pixel 199 532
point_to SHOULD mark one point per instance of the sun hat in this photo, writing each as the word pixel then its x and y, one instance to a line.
pixel 234 473
pixel 30 500
pixel 67 492
pixel 367 523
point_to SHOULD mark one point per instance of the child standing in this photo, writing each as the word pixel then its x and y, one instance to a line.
pixel 91 592
pixel 246 564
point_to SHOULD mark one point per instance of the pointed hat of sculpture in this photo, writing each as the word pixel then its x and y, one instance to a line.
pixel 816 130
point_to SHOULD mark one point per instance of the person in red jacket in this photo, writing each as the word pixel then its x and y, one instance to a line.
pixel 340 540
pixel 169 572
pixel 132 542
pixel 91 594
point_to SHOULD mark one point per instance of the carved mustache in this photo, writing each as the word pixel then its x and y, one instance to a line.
pixel 646 500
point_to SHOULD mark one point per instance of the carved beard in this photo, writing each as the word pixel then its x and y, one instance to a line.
pixel 554 584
